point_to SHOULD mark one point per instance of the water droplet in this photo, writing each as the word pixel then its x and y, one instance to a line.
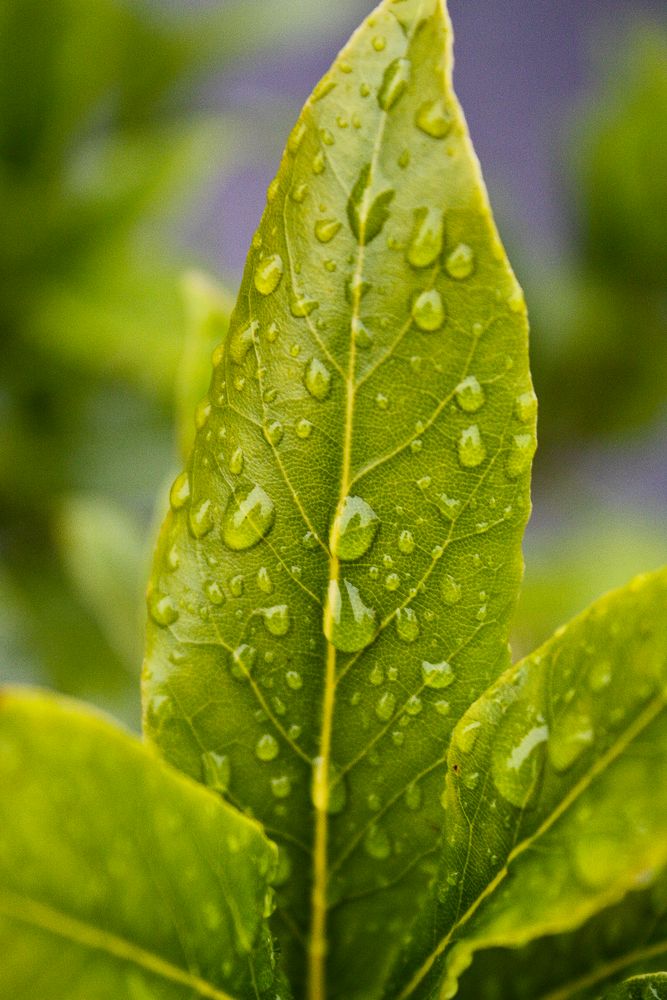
pixel 470 395
pixel 264 581
pixel 427 237
pixel 413 797
pixel 317 379
pixel 326 229
pixel 200 519
pixel 301 306
pixel 376 843
pixel 517 761
pixel 450 590
pixel 447 506
pixel 525 407
pixel 385 706
pixel 407 624
pixel 367 214
pixel 437 675
pixel 304 428
pixel 248 518
pixel 162 609
pixel 243 660
pixel 516 301
pixel 349 624
pixel 273 432
pixel 434 119
pixel 406 542
pixel 277 619
pixel 572 733
pixel 324 87
pixel 354 528
pixel 266 748
pixel 327 137
pixel 363 337
pixel 328 790
pixel 599 676
pixel 281 786
pixel 202 413
pixel 404 159
pixel 471 448
pixel 298 194
pixel 394 83
pixel 379 43
pixel 520 455
pixel 217 771
pixel 460 263
pixel 428 310
pixel 213 591
pixel 241 341
pixel 319 163
pixel 236 461
pixel 413 705
pixel 236 586
pixel 294 680
pixel 392 581
pixel 268 274
pixel 180 492
pixel 442 707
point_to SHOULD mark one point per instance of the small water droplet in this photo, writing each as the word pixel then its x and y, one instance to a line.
pixel 327 137
pixel 437 675
pixel 241 341
pixel 266 748
pixel 317 379
pixel 281 786
pixel 406 542
pixel 525 407
pixel 217 771
pixel 599 676
pixel 407 624
pixel 394 83
pixel 298 194
pixel 213 591
pixel 236 462
pixel 277 619
pixel 469 394
pixel 273 432
pixel 243 660
pixel 434 119
pixel 426 243
pixel 349 624
pixel 248 517
pixel 301 306
pixel 379 43
pixel 319 163
pixel 442 707
pixel 200 519
pixel 326 229
pixel 460 263
pixel 180 492
pixel 264 581
pixel 363 337
pixel 471 448
pixel 324 87
pixel 162 609
pixel 376 843
pixel 414 705
pixel 268 274
pixel 328 790
pixel 294 680
pixel 404 159
pixel 304 428
pixel 413 797
pixel 202 413
pixel 236 586
pixel 392 581
pixel 450 590
pixel 367 214
pixel 354 528
pixel 520 455
pixel 428 310
pixel 385 706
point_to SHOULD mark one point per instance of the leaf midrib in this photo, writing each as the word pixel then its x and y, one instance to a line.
pixel 646 717
pixel 54 921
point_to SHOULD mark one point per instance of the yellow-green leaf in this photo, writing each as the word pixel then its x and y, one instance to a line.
pixel 333 586
pixel 552 811
pixel 119 877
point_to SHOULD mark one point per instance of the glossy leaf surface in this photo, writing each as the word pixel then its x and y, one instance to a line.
pixel 552 812
pixel 118 876
pixel 333 585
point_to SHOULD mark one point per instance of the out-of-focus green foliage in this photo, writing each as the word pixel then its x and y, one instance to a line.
pixel 600 341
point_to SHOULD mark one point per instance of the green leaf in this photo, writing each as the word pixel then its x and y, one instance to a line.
pixel 333 586
pixel 653 987
pixel 118 876
pixel 552 812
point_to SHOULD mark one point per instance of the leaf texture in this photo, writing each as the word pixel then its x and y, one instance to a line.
pixel 652 987
pixel 333 585
pixel 118 876
pixel 552 813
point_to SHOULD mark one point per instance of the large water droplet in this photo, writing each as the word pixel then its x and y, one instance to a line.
pixel 317 379
pixel 248 518
pixel 376 843
pixel 518 754
pixel 460 263
pixel 326 229
pixel 407 624
pixel 521 454
pixel 241 341
pixel 469 394
pixel 426 243
pixel 394 83
pixel 572 733
pixel 162 609
pixel 437 675
pixel 349 624
pixel 471 448
pixel 328 790
pixel 267 748
pixel 217 771
pixel 367 214
pixel 354 528
pixel 428 310
pixel 268 274
pixel 277 619
pixel 434 119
